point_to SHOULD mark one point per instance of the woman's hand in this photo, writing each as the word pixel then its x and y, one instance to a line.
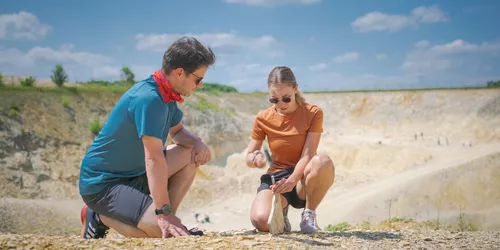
pixel 260 160
pixel 284 185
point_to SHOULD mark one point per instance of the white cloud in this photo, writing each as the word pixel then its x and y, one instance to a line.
pixel 271 3
pixel 460 46
pixel 346 58
pixel 378 21
pixel 65 54
pixel 421 44
pixel 339 81
pixel 318 67
pixel 453 64
pixel 426 59
pixel 248 76
pixel 112 72
pixel 80 65
pixel 22 26
pixel 381 57
pixel 222 41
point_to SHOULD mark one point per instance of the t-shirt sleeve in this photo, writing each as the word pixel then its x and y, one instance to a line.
pixel 257 131
pixel 176 117
pixel 317 120
pixel 149 116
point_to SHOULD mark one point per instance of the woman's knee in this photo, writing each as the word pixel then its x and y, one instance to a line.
pixel 320 163
pixel 259 220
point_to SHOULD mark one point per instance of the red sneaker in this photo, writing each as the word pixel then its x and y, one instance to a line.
pixel 92 227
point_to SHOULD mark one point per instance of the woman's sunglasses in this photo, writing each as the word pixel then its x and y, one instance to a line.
pixel 284 99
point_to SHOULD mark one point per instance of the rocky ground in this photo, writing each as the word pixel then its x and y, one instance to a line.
pixel 404 239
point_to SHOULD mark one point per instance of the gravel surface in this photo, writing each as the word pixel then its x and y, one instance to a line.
pixel 405 239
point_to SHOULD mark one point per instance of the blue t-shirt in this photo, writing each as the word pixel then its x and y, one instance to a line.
pixel 118 151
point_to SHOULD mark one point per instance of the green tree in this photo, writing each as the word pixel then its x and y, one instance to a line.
pixel 59 76
pixel 127 75
pixel 1 81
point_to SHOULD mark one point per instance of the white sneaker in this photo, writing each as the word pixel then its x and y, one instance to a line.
pixel 276 220
pixel 308 224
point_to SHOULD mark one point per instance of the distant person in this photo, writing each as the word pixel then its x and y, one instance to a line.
pixel 127 171
pixel 293 129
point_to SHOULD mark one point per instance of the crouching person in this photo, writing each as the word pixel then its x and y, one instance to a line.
pixel 128 180
pixel 293 129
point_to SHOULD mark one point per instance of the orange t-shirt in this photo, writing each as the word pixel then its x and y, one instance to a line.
pixel 286 134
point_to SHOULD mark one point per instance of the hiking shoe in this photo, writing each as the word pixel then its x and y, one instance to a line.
pixel 92 226
pixel 288 226
pixel 308 224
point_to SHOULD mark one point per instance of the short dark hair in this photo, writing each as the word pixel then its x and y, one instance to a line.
pixel 187 53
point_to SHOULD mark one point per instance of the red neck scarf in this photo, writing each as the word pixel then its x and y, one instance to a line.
pixel 166 90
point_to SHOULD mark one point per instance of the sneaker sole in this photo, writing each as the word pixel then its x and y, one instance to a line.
pixel 276 222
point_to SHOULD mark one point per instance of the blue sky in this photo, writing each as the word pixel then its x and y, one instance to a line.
pixel 330 45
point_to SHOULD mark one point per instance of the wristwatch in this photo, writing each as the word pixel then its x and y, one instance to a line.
pixel 165 210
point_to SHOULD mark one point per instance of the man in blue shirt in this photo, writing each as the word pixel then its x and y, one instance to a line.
pixel 128 180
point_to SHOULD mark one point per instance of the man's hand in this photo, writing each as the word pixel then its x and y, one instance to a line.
pixel 284 185
pixel 201 153
pixel 171 226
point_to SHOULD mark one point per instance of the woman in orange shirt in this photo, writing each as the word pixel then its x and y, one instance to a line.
pixel 293 129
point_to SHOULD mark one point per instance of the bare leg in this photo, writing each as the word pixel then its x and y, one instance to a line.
pixel 261 209
pixel 319 175
pixel 181 175
pixel 123 229
pixel 180 181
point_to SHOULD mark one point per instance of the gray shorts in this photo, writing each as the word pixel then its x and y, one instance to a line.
pixel 124 200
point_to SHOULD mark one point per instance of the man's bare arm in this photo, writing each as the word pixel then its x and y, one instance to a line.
pixel 181 136
pixel 156 170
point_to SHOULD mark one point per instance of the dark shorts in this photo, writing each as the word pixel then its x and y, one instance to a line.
pixel 292 196
pixel 124 200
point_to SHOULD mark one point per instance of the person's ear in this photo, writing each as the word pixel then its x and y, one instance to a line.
pixel 179 71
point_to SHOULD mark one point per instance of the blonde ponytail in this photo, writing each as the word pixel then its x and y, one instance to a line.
pixel 299 99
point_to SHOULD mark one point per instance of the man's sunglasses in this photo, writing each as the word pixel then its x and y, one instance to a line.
pixel 198 80
pixel 284 99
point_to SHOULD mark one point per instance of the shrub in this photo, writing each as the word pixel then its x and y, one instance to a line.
pixel 13 113
pixel 28 82
pixel 95 127
pixel 65 101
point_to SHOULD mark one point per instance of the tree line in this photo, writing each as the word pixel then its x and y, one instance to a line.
pixel 127 78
